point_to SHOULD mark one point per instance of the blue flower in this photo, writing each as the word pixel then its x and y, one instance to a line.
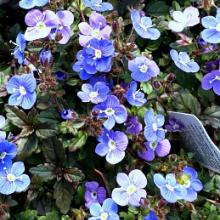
pixel 131 189
pixel 112 145
pixel 95 94
pixel 153 130
pixel 98 5
pixel 2 124
pixel 143 26
pixel 143 69
pixel 183 62
pixel 95 57
pixel 151 216
pixel 22 90
pixel 28 4
pixel 19 49
pixel 112 110
pixel 68 114
pixel 170 190
pixel 189 179
pixel 7 153
pixel 13 180
pixel 212 32
pixel 45 57
pixel 108 211
pixel 134 96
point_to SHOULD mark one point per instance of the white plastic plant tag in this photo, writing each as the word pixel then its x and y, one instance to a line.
pixel 197 141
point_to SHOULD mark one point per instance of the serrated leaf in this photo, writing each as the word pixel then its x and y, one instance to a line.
pixel 63 193
pixel 45 171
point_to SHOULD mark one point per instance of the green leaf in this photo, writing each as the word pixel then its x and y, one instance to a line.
pixel 157 8
pixel 184 101
pixel 77 142
pixel 53 151
pixel 46 130
pixel 147 88
pixel 74 175
pixel 45 171
pixel 211 116
pixel 16 116
pixel 63 193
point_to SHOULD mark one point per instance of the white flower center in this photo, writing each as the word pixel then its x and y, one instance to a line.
pixel 11 177
pixel 93 94
pixel 154 126
pixel 131 189
pixel 216 78
pixel 111 145
pixel 153 145
pixel 94 195
pixel 109 111
pixel 98 54
pixel 218 27
pixel 96 33
pixel 104 216
pixel 143 68
pixel 22 90
pixel 3 154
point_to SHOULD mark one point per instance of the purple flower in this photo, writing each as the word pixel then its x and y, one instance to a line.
pixel 143 26
pixel 183 62
pixel 94 193
pixel 108 211
pixel 206 47
pixel 97 28
pixel 13 180
pixel 112 145
pixel 174 125
pixel 134 96
pixel 112 110
pixel 161 149
pixel 131 188
pixel 212 32
pixel 189 180
pixel 98 5
pixel 133 126
pixel 60 75
pixel 68 114
pixel 22 90
pixel 28 4
pixel 63 22
pixel 212 65
pixel 212 81
pixel 7 153
pixel 153 130
pixel 95 56
pixel 39 24
pixel 170 190
pixel 151 216
pixel 95 94
pixel 143 69
pixel 45 56
pixel 19 49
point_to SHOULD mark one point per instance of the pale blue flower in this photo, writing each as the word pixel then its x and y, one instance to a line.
pixel 112 145
pixel 212 32
pixel 13 180
pixel 28 4
pixel 153 130
pixel 2 124
pixel 170 190
pixel 189 179
pixel 143 26
pixel 98 5
pixel 183 62
pixel 131 188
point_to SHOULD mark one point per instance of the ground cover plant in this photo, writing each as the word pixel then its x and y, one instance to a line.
pixel 86 91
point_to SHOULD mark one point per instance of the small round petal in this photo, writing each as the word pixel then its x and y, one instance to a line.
pixel 29 100
pixel 109 206
pixel 115 156
pixel 95 209
pixel 101 149
pixel 22 183
pixel 120 196
pixel 163 148
pixel 159 180
pixel 123 180
pixel 138 178
pixel 17 168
